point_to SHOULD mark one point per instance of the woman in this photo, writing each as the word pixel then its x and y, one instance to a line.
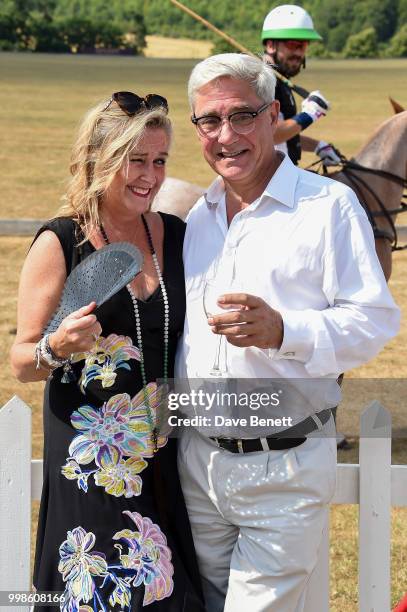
pixel 113 531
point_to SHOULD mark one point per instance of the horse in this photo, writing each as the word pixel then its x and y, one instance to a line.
pixel 377 174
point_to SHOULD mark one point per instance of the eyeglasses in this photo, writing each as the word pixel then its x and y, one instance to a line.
pixel 241 122
pixel 293 45
pixel 130 103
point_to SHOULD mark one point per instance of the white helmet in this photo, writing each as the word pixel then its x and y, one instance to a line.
pixel 289 21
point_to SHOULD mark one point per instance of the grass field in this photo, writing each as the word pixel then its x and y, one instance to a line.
pixel 42 99
pixel 181 48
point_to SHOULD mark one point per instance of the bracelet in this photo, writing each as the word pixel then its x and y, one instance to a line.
pixel 59 360
pixel 39 363
pixel 45 357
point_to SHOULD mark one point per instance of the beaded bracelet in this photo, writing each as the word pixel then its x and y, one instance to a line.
pixel 45 357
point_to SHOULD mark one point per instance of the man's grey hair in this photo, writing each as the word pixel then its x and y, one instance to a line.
pixel 239 66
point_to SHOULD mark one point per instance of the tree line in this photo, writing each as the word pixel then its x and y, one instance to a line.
pixel 72 26
pixel 366 28
pixel 362 28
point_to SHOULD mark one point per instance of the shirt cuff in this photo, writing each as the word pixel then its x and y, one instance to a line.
pixel 298 340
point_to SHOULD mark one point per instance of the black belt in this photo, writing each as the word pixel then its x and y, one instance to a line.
pixel 288 438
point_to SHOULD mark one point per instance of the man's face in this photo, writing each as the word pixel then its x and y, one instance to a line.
pixel 288 54
pixel 236 157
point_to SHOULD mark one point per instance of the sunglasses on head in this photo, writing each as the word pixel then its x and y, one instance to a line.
pixel 131 104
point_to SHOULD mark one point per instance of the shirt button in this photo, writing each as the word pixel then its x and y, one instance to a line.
pixel 289 354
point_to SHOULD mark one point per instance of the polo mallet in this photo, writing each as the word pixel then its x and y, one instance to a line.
pixel 299 90
pixel 97 278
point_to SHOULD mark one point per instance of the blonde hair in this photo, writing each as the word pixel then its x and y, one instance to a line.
pixel 105 138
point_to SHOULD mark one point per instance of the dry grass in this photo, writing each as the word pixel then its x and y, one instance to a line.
pixel 344 560
pixel 180 48
pixel 42 98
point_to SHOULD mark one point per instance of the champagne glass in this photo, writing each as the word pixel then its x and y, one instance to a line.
pixel 214 288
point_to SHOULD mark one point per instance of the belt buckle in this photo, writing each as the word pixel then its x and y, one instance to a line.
pixel 231 441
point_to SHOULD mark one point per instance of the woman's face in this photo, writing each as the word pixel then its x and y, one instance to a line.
pixel 135 186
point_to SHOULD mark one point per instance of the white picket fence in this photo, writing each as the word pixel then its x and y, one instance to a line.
pixel 374 484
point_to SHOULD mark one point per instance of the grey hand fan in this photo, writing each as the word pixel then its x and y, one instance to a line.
pixel 97 278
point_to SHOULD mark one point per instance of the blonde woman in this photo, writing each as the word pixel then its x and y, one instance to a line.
pixel 113 531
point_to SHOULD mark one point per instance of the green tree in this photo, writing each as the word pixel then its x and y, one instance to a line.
pixel 378 14
pixel 44 34
pixel 123 24
pixel 398 44
pixel 90 24
pixel 338 37
pixel 333 20
pixel 363 44
pixel 8 32
pixel 12 24
pixel 318 49
pixel 79 33
pixel 222 46
pixel 402 13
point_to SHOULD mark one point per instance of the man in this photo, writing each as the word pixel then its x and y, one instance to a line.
pixel 314 303
pixel 287 32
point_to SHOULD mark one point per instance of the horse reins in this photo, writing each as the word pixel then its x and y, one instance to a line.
pixel 348 167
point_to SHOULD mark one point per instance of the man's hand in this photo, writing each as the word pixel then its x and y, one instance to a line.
pixel 249 322
pixel 327 154
pixel 316 106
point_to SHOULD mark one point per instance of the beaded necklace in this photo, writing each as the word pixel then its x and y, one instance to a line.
pixel 154 427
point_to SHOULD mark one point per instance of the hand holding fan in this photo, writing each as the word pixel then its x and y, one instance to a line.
pixel 96 279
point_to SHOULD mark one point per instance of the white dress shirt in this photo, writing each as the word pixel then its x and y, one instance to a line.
pixel 306 247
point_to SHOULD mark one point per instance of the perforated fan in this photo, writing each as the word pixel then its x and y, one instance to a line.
pixel 97 278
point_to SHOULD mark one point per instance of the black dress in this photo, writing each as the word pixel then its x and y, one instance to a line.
pixel 113 531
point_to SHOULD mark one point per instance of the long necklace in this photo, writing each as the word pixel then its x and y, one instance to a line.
pixel 154 423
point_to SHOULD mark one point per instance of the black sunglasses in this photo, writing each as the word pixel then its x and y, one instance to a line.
pixel 131 104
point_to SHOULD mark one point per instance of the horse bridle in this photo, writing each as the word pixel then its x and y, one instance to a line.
pixel 347 167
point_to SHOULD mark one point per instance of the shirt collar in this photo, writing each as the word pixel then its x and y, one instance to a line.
pixel 280 188
pixel 283 183
pixel 215 193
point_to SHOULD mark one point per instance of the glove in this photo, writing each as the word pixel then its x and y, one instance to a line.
pixel 316 106
pixel 327 154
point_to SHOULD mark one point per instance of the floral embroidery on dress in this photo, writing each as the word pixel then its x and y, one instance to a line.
pixel 79 567
pixel 147 562
pixel 117 439
pixel 109 355
pixel 149 555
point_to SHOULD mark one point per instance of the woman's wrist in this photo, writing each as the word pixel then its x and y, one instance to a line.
pixel 54 349
pixel 45 357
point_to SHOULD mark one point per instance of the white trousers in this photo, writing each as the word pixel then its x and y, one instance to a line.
pixel 257 519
